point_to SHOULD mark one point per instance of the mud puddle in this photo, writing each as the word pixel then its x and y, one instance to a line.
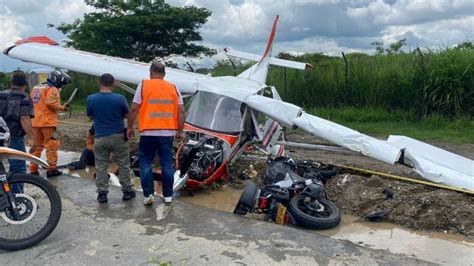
pixel 441 248
pixel 435 247
pixel 224 199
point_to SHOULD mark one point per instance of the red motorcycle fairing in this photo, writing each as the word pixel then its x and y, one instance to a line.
pixel 221 172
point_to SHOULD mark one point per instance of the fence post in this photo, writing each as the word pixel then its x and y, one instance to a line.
pixel 346 80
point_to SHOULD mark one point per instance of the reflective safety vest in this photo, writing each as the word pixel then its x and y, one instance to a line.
pixel 159 108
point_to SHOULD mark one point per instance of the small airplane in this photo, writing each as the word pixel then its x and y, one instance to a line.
pixel 227 116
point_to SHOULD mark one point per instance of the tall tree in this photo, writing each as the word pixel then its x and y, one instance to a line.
pixel 378 47
pixel 138 29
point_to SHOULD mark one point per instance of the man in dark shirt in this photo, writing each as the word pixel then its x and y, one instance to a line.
pixel 16 108
pixel 108 111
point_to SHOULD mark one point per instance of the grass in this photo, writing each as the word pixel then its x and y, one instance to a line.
pixel 425 82
pixel 79 107
pixel 380 123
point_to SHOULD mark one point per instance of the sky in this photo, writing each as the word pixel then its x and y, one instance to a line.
pixel 327 26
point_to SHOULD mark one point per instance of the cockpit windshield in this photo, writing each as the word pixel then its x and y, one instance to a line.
pixel 215 112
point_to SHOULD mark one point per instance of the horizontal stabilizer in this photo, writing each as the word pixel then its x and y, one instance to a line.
pixel 271 60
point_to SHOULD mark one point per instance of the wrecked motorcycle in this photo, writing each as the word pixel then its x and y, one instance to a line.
pixel 197 161
pixel 293 193
pixel 30 206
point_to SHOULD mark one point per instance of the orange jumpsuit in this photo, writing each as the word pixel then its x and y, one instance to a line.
pixel 46 102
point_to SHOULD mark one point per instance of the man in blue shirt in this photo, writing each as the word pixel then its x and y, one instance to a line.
pixel 108 111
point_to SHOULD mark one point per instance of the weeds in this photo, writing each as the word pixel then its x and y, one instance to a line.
pixel 424 83
pixel 379 122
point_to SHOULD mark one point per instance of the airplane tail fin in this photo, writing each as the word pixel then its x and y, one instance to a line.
pixel 268 49
pixel 259 71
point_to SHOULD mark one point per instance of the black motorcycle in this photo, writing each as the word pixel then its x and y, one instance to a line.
pixel 293 193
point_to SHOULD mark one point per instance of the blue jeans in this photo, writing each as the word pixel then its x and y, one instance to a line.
pixel 17 166
pixel 149 146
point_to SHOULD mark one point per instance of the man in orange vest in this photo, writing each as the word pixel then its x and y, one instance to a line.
pixel 47 102
pixel 160 109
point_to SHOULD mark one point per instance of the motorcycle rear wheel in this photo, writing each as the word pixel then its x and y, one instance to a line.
pixel 322 215
pixel 247 199
pixel 38 196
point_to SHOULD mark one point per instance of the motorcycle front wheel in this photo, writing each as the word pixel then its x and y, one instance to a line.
pixel 314 213
pixel 39 207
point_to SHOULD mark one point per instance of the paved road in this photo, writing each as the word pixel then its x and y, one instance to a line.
pixel 127 233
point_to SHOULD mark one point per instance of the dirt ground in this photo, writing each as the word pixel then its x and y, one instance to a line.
pixel 73 131
pixel 415 206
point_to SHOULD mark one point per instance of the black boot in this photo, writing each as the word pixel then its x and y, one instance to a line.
pixel 53 173
pixel 102 197
pixel 128 195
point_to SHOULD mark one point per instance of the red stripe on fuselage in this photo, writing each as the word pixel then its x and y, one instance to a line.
pixel 270 133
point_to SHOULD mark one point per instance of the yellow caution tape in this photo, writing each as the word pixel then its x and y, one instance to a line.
pixel 413 180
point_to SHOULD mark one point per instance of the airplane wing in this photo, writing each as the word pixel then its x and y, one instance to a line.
pixel 46 53
pixel 432 163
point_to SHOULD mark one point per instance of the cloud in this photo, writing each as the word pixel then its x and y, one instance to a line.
pixel 10 30
pixel 32 16
pixel 409 12
pixel 328 26
pixel 433 34
pixel 345 24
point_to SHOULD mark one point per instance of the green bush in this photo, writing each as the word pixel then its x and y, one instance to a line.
pixel 4 80
pixel 88 85
pixel 424 83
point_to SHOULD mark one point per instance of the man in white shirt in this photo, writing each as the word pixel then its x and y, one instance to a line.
pixel 160 108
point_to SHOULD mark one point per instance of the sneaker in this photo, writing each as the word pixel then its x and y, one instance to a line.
pixel 102 197
pixel 128 195
pixel 168 199
pixel 35 173
pixel 53 173
pixel 149 200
